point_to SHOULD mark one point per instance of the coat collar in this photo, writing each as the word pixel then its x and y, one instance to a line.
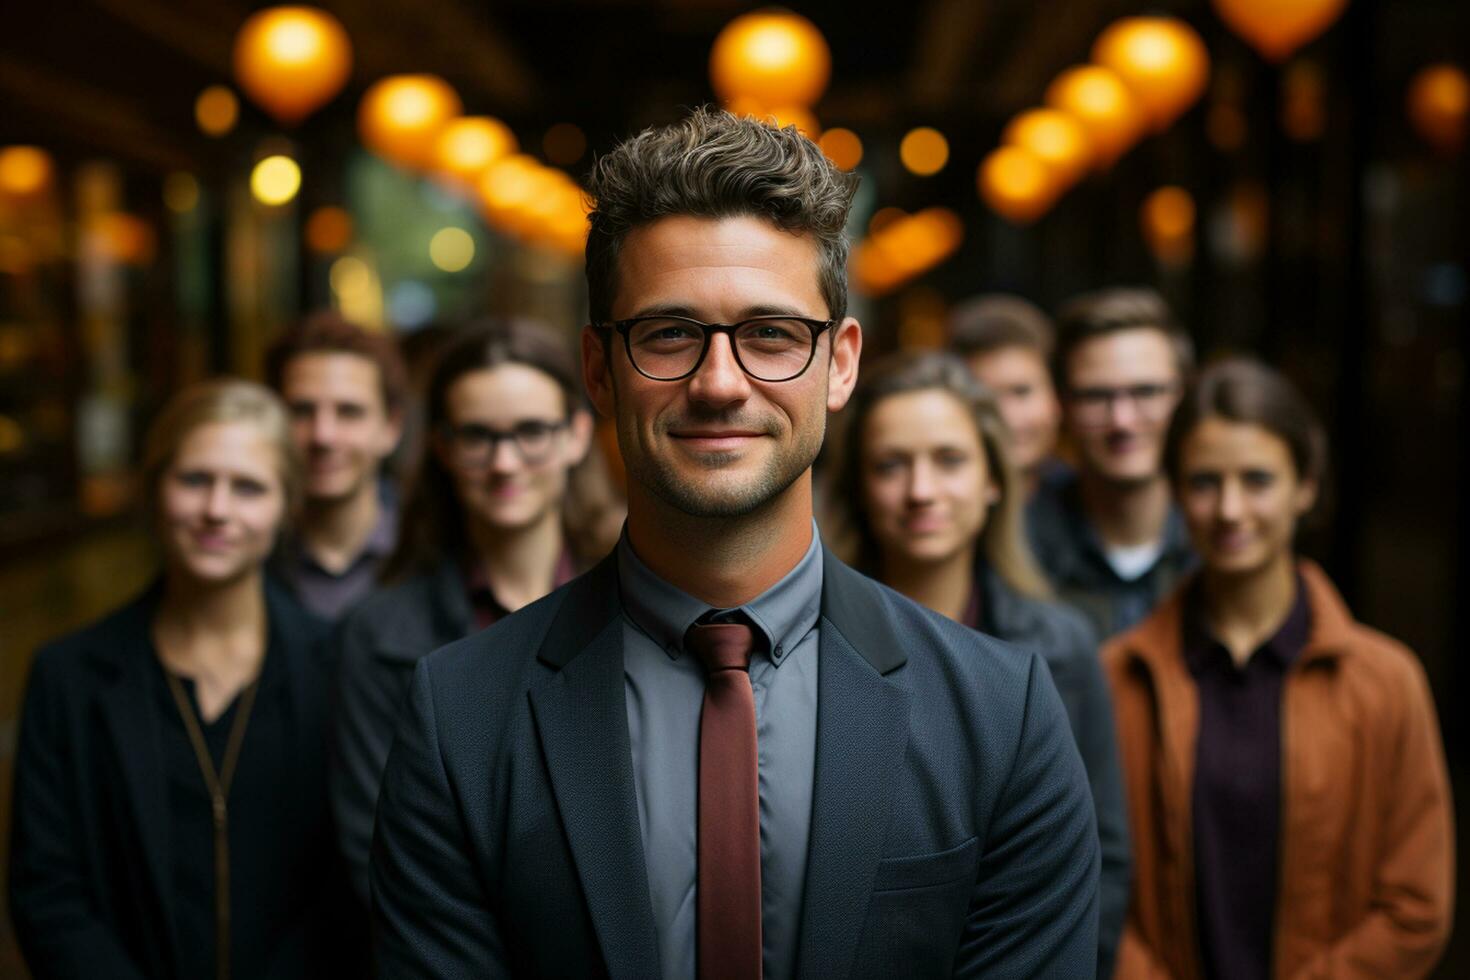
pixel 862 732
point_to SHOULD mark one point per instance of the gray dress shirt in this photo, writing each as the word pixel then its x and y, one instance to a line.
pixel 665 692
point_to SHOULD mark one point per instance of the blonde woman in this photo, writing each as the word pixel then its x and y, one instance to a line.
pixel 170 806
pixel 927 501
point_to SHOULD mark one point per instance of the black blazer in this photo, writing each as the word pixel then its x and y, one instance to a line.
pixel 376 648
pixel 1065 640
pixel 952 828
pixel 90 886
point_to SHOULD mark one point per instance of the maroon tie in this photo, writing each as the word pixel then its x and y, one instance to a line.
pixel 729 910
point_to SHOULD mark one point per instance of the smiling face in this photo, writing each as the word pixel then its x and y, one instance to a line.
pixel 719 443
pixel 494 481
pixel 1241 495
pixel 1122 388
pixel 1027 400
pixel 338 420
pixel 220 502
pixel 926 483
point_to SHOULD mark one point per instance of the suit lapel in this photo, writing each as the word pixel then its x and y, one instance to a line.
pixel 862 732
pixel 127 708
pixel 582 722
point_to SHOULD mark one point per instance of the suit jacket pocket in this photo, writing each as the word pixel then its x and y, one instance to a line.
pixel 927 870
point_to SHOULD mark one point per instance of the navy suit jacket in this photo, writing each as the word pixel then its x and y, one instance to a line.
pixel 952 827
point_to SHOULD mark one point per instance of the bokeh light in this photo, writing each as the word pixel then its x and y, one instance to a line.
pixel 842 147
pixel 1439 105
pixel 1057 139
pixel 275 180
pixel 1103 105
pixel 216 110
pixel 1161 59
pixel 469 144
pixel 400 118
pixel 775 57
pixel 292 60
pixel 451 249
pixel 329 230
pixel 25 170
pixel 1276 28
pixel 924 151
pixel 1016 184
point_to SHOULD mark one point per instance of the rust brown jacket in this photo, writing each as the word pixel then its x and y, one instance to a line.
pixel 1367 837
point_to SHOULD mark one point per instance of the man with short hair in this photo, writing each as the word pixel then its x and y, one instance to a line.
pixel 345 388
pixel 1111 539
pixel 722 752
pixel 1008 341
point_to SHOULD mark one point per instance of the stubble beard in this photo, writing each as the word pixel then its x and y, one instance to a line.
pixel 707 494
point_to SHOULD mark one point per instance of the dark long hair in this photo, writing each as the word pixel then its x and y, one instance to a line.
pixel 433 525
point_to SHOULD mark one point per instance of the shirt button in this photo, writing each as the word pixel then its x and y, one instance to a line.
pixel 778 653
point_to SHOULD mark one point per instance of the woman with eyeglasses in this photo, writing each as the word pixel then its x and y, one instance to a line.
pixel 1286 782
pixel 926 500
pixel 170 809
pixel 509 502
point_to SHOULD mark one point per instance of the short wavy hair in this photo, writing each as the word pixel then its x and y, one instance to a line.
pixel 713 164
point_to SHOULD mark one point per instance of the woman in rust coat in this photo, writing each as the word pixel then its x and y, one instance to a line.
pixel 1285 777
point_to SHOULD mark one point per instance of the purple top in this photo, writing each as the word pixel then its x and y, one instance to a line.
pixel 326 594
pixel 1237 789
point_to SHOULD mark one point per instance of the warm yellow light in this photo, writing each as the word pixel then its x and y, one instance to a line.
pixel 328 230
pixel 1162 60
pixel 775 57
pixel 508 183
pixel 842 147
pixel 180 192
pixel 216 110
pixel 451 249
pixel 924 151
pixel 564 144
pixel 1276 28
pixel 883 217
pixel 1439 105
pixel 469 144
pixel 292 60
pixel 905 247
pixel 25 170
pixel 1016 184
pixel 400 118
pixel 275 180
pixel 1058 141
pixel 1103 105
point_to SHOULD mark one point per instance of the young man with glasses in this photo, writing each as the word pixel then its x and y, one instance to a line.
pixel 1111 539
pixel 723 753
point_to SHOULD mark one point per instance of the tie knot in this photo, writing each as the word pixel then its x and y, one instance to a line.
pixel 721 646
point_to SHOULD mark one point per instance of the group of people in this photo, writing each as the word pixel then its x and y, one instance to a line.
pixel 1098 716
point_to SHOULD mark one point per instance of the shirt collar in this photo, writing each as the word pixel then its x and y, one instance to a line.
pixel 783 614
pixel 1201 647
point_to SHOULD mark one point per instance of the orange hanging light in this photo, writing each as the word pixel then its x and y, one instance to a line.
pixel 775 57
pixel 1105 107
pixel 1016 184
pixel 1161 59
pixel 1439 106
pixel 1057 139
pixel 469 144
pixel 400 117
pixel 1276 28
pixel 292 60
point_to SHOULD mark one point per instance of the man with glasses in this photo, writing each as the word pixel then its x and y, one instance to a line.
pixel 723 753
pixel 1110 538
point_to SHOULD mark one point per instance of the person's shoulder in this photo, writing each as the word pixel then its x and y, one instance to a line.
pixel 94 650
pixel 938 648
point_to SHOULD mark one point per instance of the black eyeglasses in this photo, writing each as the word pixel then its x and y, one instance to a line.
pixel 1091 406
pixel 475 444
pixel 768 348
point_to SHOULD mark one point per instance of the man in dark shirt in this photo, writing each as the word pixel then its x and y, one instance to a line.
pixel 345 387
pixel 1110 537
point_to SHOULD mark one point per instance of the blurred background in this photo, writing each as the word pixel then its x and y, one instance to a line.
pixel 180 181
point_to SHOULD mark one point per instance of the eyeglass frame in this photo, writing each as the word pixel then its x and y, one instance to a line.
pixel 816 325
pixel 1105 397
pixel 451 432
